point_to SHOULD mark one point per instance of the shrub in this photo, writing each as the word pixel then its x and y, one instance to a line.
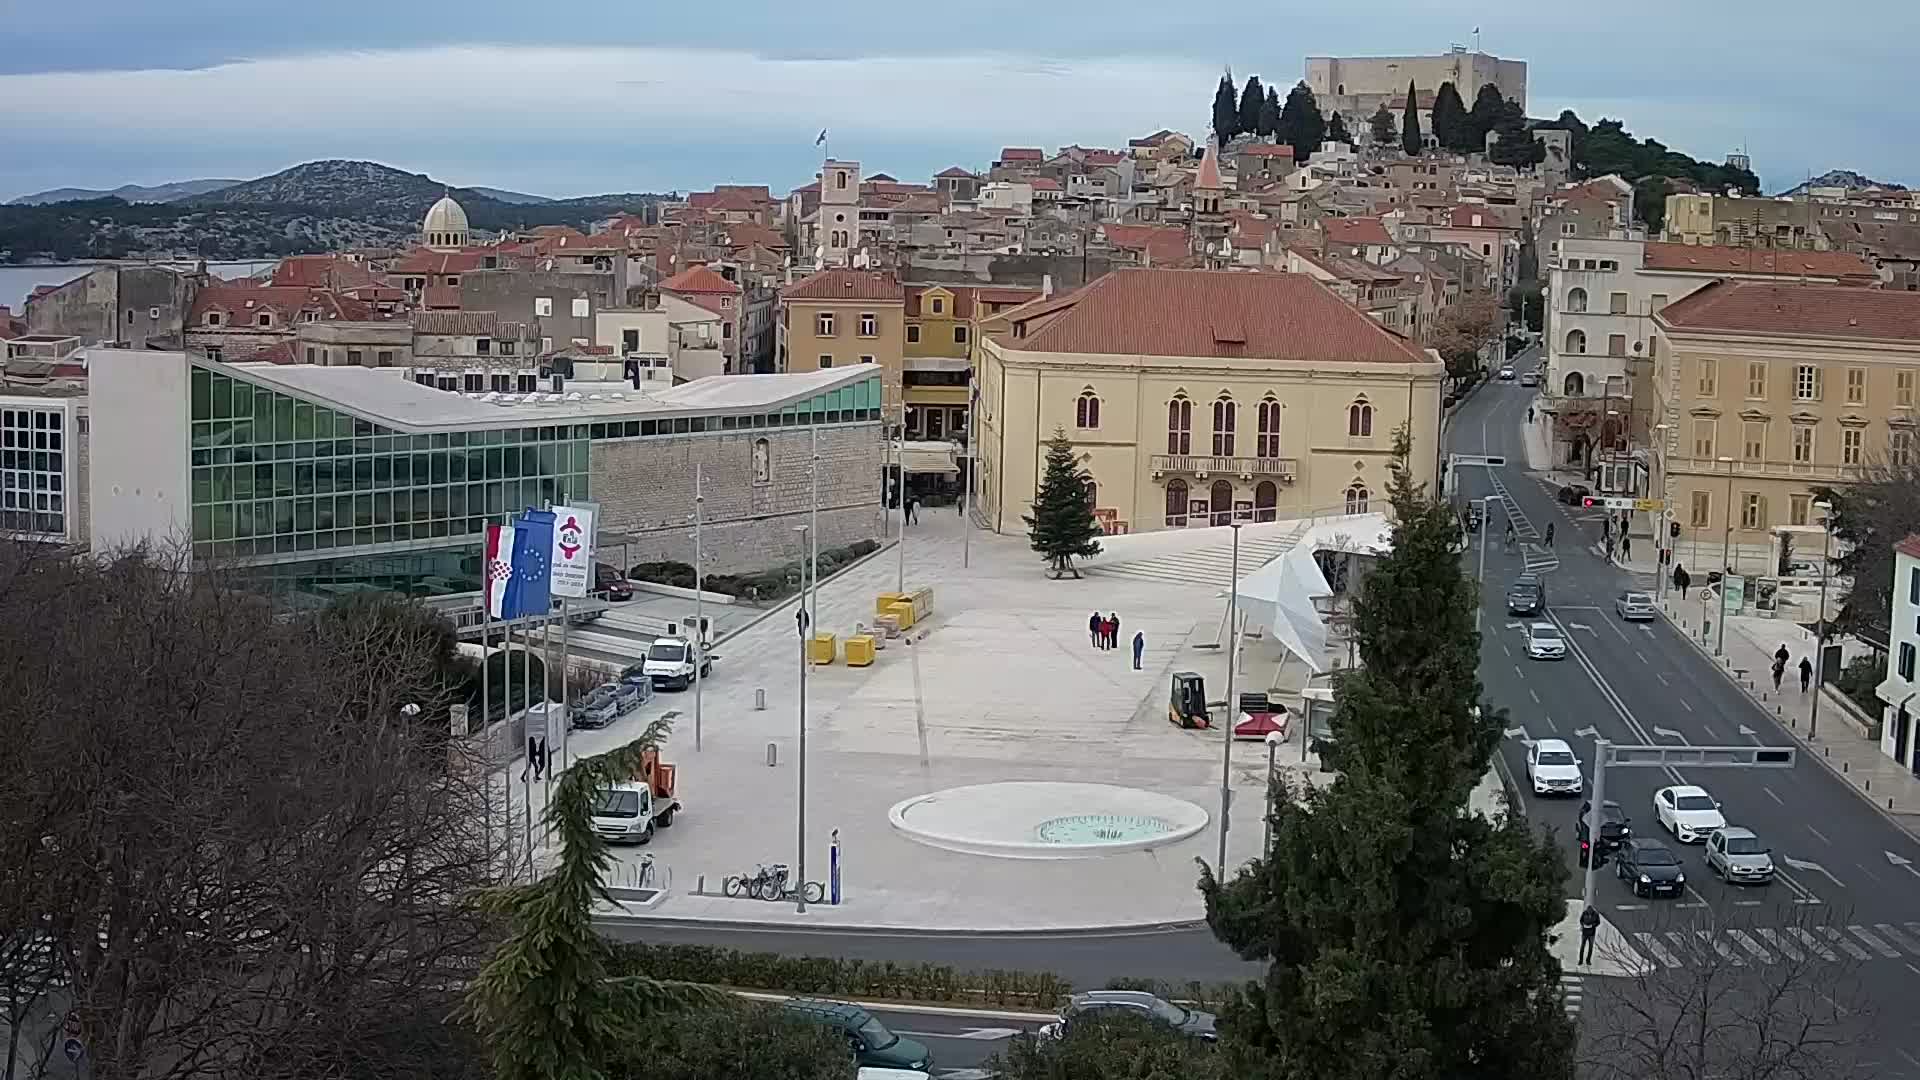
pixel 837 977
pixel 1858 679
pixel 677 574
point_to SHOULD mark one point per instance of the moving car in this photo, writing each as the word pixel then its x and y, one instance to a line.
pixel 670 663
pixel 1649 868
pixel 873 1044
pixel 1506 373
pixel 1688 812
pixel 1531 378
pixel 1635 607
pixel 1186 1021
pixel 1544 642
pixel 1572 494
pixel 1527 595
pixel 1737 856
pixel 611 583
pixel 1552 768
pixel 1615 828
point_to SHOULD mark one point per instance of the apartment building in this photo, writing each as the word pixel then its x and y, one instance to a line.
pixel 836 318
pixel 1744 221
pixel 1899 737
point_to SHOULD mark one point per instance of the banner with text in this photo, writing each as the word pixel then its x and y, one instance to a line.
pixel 572 551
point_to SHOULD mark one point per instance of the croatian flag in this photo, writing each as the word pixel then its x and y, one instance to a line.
pixel 520 567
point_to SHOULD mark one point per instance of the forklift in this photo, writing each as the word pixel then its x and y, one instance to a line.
pixel 1187 707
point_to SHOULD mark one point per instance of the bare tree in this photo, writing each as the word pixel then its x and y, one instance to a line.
pixel 1727 999
pixel 245 854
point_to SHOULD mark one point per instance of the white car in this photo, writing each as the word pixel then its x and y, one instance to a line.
pixel 1553 769
pixel 1688 812
pixel 1544 642
pixel 1506 373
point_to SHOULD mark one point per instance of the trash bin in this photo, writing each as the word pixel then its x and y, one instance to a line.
pixel 859 650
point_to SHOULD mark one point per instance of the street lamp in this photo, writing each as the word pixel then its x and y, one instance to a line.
pixel 1820 635
pixel 699 594
pixel 1266 833
pixel 1481 576
pixel 803 622
pixel 1233 704
pixel 1726 563
pixel 1663 532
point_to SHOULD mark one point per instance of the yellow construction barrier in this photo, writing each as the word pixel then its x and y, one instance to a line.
pixel 902 612
pixel 859 650
pixel 821 648
pixel 885 601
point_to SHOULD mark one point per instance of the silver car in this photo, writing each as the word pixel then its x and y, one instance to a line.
pixel 1738 857
pixel 1635 607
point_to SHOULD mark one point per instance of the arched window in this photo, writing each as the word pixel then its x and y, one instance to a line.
pixel 1180 426
pixel 1225 413
pixel 1360 419
pixel 1577 342
pixel 1267 443
pixel 1086 410
pixel 1575 385
pixel 1357 495
pixel 1220 502
pixel 1576 299
pixel 1266 497
pixel 1176 503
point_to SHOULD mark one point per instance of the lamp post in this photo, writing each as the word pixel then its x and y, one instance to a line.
pixel 1233 705
pixel 1266 831
pixel 1662 532
pixel 699 592
pixel 803 626
pixel 810 539
pixel 1481 575
pixel 1820 635
pixel 1726 564
pixel 900 474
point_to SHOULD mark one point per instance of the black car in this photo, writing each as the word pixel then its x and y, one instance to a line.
pixel 1649 868
pixel 1572 494
pixel 1526 596
pixel 1615 828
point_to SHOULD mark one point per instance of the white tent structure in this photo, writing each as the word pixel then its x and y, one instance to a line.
pixel 1281 596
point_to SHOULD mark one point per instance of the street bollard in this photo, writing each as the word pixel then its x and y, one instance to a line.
pixel 773 754
pixel 700 885
pixel 760 699
pixel 1843 767
pixel 1867 784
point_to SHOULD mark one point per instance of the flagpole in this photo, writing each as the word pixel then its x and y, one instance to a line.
pixel 486 696
pixel 546 712
pixel 526 776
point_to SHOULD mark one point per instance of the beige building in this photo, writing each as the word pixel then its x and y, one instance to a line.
pixel 1198 395
pixel 1743 221
pixel 837 318
pixel 1357 85
pixel 1770 389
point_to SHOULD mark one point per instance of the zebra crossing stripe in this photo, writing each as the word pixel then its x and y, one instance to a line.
pixel 1781 943
pixel 1834 935
pixel 1750 945
pixel 1720 947
pixel 1879 946
pixel 1812 943
pixel 1651 944
pixel 1888 931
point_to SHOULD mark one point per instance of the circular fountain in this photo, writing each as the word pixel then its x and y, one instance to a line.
pixel 1020 819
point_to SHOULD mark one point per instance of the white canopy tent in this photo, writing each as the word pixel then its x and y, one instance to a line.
pixel 1279 597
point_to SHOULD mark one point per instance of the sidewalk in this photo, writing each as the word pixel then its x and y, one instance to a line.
pixel 1841 745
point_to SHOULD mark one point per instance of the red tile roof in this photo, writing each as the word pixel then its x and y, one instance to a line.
pixel 1105 157
pixel 423 261
pixel 845 285
pixel 1731 260
pixel 242 302
pixel 1209 313
pixel 1355 232
pixel 1022 153
pixel 725 200
pixel 1461 217
pixel 965 297
pixel 1045 183
pixel 1267 150
pixel 1783 309
pixel 321 272
pixel 1910 547
pixel 953 171
pixel 280 352
pixel 702 280
pixel 441 297
pixel 1162 243
pixel 456 323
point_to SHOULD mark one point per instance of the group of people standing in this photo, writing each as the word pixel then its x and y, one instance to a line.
pixel 1104 630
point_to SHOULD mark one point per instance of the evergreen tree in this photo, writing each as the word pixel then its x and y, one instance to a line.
pixel 1450 126
pixel 1251 99
pixel 1488 106
pixel 1410 140
pixel 1514 144
pixel 1337 129
pixel 1301 125
pixel 1405 936
pixel 1226 114
pixel 1384 129
pixel 1270 113
pixel 1062 527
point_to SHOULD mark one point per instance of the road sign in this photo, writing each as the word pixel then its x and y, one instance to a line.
pixel 1699 757
pixel 1623 502
pixel 1493 461
pixel 73 1048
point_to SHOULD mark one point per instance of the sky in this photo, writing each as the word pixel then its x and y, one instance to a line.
pixel 575 97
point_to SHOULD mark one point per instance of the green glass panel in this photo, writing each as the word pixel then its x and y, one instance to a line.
pixel 202 523
pixel 303 420
pixel 323 420
pixel 402 470
pixel 222 521
pixel 203 433
pixel 303 515
pixel 243 519
pixel 282 516
pixel 222 397
pixel 383 471
pixel 202 486
pixel 579 454
pixel 202 382
pixel 283 478
pixel 243 482
pixel 362 511
pixel 283 409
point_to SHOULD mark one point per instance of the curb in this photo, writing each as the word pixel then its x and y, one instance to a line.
pixel 913 1008
pixel 1803 744
pixel 1137 929
pixel 796 598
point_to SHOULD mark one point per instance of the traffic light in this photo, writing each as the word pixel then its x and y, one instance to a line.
pixel 1589 502
pixel 1673 529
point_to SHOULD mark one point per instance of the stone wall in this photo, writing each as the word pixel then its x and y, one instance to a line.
pixel 135 305
pixel 645 488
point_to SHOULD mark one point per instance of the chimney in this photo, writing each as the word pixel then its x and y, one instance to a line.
pixel 1046 286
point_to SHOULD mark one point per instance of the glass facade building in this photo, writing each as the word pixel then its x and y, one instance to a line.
pixel 33 469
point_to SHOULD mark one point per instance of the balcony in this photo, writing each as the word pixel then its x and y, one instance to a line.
pixel 1247 468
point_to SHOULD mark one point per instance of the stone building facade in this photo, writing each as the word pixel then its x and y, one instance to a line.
pixel 138 307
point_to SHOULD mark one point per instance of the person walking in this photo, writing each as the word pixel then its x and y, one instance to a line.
pixel 1589 926
pixel 913 511
pixel 1780 656
pixel 1549 534
pixel 1806 674
pixel 1139 647
pixel 1093 628
pixel 1626 547
pixel 1681 579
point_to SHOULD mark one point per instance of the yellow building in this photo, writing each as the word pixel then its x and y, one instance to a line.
pixel 1196 395
pixel 943 330
pixel 1768 390
pixel 835 318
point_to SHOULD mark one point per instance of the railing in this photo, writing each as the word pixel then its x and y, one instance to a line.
pixel 1802 469
pixel 1285 468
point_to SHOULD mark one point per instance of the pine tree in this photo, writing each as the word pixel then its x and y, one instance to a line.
pixel 1450 127
pixel 1251 99
pixel 1384 129
pixel 1226 114
pixel 1062 527
pixel 1270 113
pixel 1488 106
pixel 1410 140
pixel 1514 144
pixel 1301 125
pixel 1337 129
pixel 1405 936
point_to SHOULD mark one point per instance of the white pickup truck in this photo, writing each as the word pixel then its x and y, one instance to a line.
pixel 670 662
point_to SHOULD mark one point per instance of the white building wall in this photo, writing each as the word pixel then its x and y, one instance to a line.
pixel 1903 638
pixel 138 448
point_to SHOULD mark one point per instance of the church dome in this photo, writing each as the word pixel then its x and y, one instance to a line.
pixel 445 224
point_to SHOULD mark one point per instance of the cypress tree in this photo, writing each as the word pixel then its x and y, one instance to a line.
pixel 1270 113
pixel 1337 129
pixel 1410 140
pixel 1384 129
pixel 1226 114
pixel 1405 936
pixel 1301 125
pixel 1488 107
pixel 1450 127
pixel 1062 527
pixel 1251 99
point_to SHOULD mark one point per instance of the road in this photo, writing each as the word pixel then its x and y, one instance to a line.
pixel 1842 892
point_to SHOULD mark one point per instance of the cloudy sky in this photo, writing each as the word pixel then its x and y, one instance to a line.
pixel 572 97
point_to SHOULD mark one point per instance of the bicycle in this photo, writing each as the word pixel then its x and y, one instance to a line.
pixel 768 882
pixel 814 892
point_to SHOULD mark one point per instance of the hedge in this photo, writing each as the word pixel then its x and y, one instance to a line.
pixel 776 583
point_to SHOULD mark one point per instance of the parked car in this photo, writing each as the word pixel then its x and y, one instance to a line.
pixel 1530 378
pixel 1737 856
pixel 1572 494
pixel 1635 607
pixel 1615 828
pixel 1544 642
pixel 1688 812
pixel 1552 768
pixel 1649 868
pixel 1506 373
pixel 1186 1021
pixel 873 1044
pixel 1527 595
pixel 611 583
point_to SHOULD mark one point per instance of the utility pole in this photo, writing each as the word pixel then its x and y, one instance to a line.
pixel 1820 636
pixel 1233 704
pixel 699 593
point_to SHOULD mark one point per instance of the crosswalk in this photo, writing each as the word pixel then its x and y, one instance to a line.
pixel 1756 945
pixel 1571 991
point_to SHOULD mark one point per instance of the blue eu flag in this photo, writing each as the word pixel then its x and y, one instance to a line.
pixel 530 589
